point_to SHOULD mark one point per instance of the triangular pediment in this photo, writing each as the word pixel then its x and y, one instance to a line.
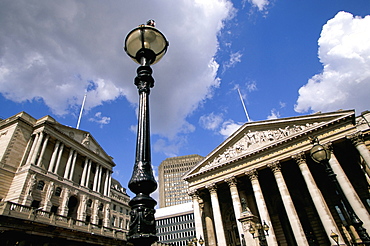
pixel 256 136
pixel 84 138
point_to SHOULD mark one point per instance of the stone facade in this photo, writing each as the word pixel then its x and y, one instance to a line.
pixel 59 170
pixel 263 174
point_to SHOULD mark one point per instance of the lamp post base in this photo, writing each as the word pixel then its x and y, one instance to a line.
pixel 142 226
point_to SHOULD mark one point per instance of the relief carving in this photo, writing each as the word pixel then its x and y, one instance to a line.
pixel 253 140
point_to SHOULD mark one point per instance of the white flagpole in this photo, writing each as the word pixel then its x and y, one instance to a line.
pixel 245 109
pixel 82 108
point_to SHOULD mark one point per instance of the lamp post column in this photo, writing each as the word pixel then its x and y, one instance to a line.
pixel 142 183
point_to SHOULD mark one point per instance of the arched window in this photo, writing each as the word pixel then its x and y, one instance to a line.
pixel 89 203
pixel 40 185
pixel 58 191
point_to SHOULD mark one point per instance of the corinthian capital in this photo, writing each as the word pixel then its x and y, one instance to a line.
pixel 275 166
pixel 300 158
pixel 252 174
pixel 212 188
pixel 231 181
pixel 356 138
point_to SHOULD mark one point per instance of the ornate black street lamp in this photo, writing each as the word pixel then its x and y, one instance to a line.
pixel 262 232
pixel 321 154
pixel 146 46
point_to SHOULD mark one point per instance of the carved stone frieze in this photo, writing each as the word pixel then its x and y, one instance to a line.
pixel 253 140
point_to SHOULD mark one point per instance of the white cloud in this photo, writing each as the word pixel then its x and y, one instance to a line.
pixel 211 121
pixel 234 59
pixel 344 51
pixel 274 114
pixel 101 120
pixel 260 4
pixel 229 127
pixel 56 50
pixel 251 86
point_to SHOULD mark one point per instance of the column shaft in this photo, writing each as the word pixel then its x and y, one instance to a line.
pixel 88 174
pixel 37 148
pixel 73 166
pixel 54 156
pixel 84 171
pixel 59 158
pixel 322 209
pixel 350 192
pixel 220 233
pixel 43 150
pixel 197 215
pixel 289 206
pixel 232 182
pixel 68 165
pixel 261 205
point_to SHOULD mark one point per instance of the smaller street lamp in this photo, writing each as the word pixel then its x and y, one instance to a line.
pixel 201 241
pixel 321 154
pixel 335 237
pixel 262 232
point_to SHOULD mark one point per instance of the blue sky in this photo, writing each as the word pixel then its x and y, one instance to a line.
pixel 287 58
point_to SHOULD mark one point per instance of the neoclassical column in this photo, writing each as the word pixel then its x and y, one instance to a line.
pixel 68 165
pixel 288 204
pixel 61 148
pixel 322 208
pixel 197 214
pixel 43 150
pixel 261 205
pixel 54 156
pixel 349 191
pixel 99 178
pixel 84 171
pixel 96 177
pixel 236 203
pixel 81 212
pixel 106 182
pixel 73 166
pixel 94 212
pixel 37 148
pixel 208 220
pixel 220 233
pixel 109 183
pixel 34 144
pixel 358 142
pixel 106 214
pixel 88 174
pixel 64 207
pixel 49 193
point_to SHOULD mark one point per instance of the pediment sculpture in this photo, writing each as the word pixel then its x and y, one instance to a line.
pixel 253 140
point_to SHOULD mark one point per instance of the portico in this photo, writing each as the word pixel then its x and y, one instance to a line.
pixel 267 165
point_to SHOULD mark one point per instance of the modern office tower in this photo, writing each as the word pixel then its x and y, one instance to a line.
pixel 173 190
pixel 56 186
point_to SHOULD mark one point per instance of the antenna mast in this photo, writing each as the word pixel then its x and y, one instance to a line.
pixel 245 109
pixel 82 108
